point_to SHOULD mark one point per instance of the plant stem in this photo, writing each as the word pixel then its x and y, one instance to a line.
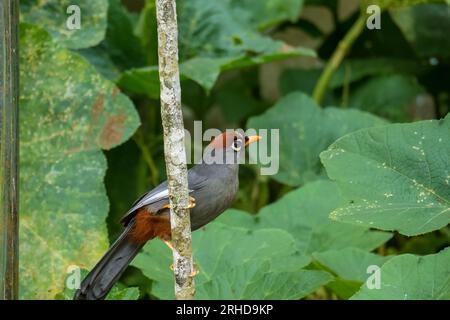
pixel 337 57
pixel 9 103
pixel 147 155
pixel 175 155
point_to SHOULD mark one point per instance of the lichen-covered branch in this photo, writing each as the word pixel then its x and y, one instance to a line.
pixel 175 156
pixel 9 96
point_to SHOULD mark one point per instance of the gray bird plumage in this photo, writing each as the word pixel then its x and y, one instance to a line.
pixel 213 185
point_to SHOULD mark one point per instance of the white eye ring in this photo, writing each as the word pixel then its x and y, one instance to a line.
pixel 237 145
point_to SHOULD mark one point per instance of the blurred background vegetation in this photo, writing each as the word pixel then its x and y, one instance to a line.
pixel 244 63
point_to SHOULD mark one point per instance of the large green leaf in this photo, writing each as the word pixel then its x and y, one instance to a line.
pixel 68 114
pixel 118 291
pixel 350 263
pixel 229 27
pixel 399 92
pixel 425 27
pixel 263 14
pixel 306 130
pixel 351 266
pixel 255 280
pixel 146 80
pixel 203 70
pixel 236 263
pixel 395 177
pixel 410 277
pixel 216 36
pixel 120 49
pixel 52 15
pixel 304 214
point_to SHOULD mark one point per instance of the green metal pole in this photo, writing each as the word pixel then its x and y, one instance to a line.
pixel 9 102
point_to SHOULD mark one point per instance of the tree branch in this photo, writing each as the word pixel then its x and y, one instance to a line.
pixel 9 102
pixel 175 156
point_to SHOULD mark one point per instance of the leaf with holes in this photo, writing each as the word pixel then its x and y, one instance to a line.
pixel 395 177
pixel 304 214
pixel 68 113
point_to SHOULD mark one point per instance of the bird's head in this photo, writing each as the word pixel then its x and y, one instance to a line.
pixel 230 144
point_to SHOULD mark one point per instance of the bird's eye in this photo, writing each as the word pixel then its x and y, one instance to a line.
pixel 237 144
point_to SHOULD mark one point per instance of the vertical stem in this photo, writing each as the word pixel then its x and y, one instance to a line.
pixel 175 155
pixel 9 95
pixel 337 57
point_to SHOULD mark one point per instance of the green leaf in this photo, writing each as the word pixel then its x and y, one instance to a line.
pixel 65 122
pixel 228 28
pixel 118 291
pixel 259 282
pixel 351 266
pixel 146 30
pixel 395 177
pixel 52 15
pixel 203 70
pixel 350 263
pixel 121 49
pixel 410 277
pixel 217 36
pixel 399 91
pixel 236 263
pixel 263 14
pixel 304 214
pixel 102 62
pixel 305 130
pixel 120 43
pixel 425 27
pixel 123 294
pixel 143 81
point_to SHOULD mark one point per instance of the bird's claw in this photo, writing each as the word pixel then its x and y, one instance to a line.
pixel 191 203
pixel 194 271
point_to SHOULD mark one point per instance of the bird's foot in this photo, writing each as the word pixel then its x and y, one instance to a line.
pixel 168 243
pixel 191 203
pixel 194 271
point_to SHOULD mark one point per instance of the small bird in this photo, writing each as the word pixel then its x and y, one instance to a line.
pixel 213 184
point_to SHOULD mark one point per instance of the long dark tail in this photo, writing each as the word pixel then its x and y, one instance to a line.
pixel 108 270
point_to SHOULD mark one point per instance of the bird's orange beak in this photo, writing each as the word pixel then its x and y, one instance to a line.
pixel 252 139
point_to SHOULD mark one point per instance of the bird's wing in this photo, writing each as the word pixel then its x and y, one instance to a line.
pixel 160 195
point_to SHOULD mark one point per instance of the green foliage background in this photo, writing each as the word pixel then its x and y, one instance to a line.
pixel 364 176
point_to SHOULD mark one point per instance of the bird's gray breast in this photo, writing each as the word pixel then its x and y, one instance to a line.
pixel 215 196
